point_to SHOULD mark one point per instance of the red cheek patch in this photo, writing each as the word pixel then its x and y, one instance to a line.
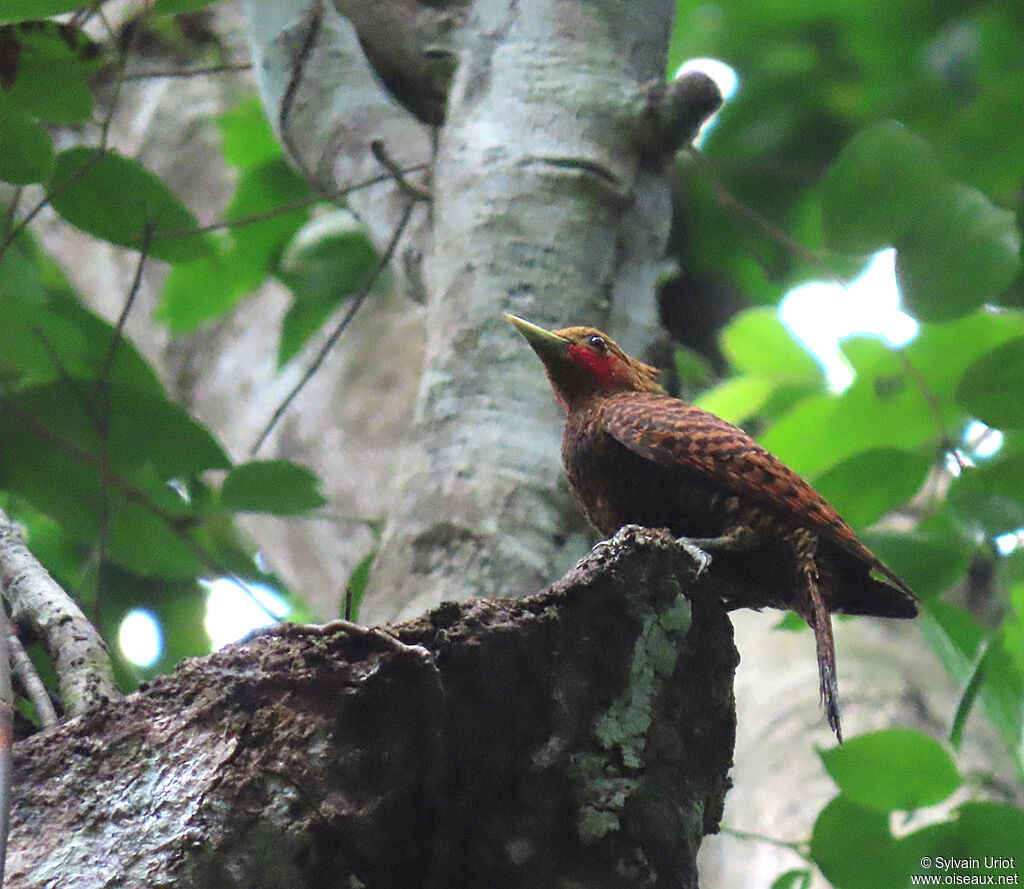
pixel 603 368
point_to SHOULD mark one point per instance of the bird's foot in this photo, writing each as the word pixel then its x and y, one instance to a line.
pixel 699 548
pixel 700 556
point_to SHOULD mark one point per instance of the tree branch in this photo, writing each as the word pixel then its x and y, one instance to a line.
pixel 581 736
pixel 79 655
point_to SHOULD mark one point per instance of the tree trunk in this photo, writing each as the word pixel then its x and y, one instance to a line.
pixel 541 205
pixel 578 737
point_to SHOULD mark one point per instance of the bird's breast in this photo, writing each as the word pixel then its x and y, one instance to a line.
pixel 615 486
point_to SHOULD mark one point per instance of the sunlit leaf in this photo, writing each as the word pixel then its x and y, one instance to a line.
pixel 738 398
pixel 756 342
pixel 892 769
pixel 248 139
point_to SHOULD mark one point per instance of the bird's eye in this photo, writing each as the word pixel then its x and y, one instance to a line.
pixel 597 343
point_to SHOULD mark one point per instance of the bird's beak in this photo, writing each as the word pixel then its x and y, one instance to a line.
pixel 548 346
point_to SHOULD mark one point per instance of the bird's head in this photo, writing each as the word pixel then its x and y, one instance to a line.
pixel 582 362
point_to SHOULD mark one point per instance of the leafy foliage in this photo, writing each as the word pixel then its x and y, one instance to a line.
pixel 841 141
pixel 900 770
pixel 847 142
pixel 116 486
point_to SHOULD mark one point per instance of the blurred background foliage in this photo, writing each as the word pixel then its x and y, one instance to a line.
pixel 856 127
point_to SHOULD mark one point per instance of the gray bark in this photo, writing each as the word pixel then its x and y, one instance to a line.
pixel 578 737
pixel 541 206
pixel 537 195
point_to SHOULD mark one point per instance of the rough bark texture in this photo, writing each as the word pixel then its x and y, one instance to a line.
pixel 541 207
pixel 578 737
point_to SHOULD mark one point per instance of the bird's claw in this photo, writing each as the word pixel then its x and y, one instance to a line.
pixel 701 557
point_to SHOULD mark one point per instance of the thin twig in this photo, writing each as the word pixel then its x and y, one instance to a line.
pixel 44 202
pixel 12 208
pixel 31 685
pixel 122 62
pixel 932 401
pixel 357 301
pixel 800 848
pixel 298 204
pixel 745 211
pixel 190 72
pixel 133 292
pixel 412 191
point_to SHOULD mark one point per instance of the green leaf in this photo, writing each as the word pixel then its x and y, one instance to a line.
pixel 329 258
pixel 46 71
pixel 1013 628
pixel 956 637
pixel 866 486
pixel 757 342
pixel 942 353
pixel 176 7
pixel 248 139
pixel 875 190
pixel 273 486
pixel 141 537
pixel 990 496
pixel 117 199
pixel 45 338
pixel 738 398
pixel 931 558
pixel 990 387
pixel 962 252
pixel 892 769
pixel 26 154
pixel 883 408
pixel 358 581
pixel 790 622
pixel 26 10
pixel 854 849
pixel 128 428
pixel 799 878
pixel 198 291
pixel 693 369
pixel 980 830
pixel 980 823
pixel 970 694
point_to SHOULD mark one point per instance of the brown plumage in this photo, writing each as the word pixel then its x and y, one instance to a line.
pixel 633 455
